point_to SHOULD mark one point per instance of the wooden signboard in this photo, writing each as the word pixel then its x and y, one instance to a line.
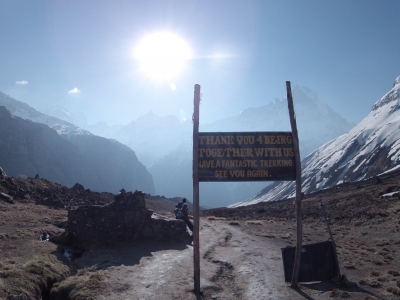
pixel 246 156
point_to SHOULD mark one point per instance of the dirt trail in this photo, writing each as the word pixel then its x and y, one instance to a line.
pixel 234 265
pixel 237 262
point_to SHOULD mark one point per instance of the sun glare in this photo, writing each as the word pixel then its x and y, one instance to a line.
pixel 162 55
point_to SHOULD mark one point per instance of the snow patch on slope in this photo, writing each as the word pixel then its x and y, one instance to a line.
pixel 26 112
pixel 370 148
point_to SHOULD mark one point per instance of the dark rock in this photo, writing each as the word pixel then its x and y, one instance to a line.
pixel 78 187
pixel 7 198
pixel 122 194
pixel 20 193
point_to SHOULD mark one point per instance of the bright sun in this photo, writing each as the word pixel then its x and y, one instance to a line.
pixel 162 55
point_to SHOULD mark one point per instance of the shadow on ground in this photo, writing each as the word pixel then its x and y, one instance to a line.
pixel 334 290
pixel 127 255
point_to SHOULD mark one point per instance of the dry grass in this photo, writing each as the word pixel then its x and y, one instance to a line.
pixel 378 262
pixel 235 223
pixel 84 285
pixel 34 277
pixel 375 273
pixel 382 279
pixel 393 290
pixel 254 223
pixel 267 234
pixel 367 236
pixel 213 218
pixel 286 236
pixel 393 273
pixel 369 297
pixel 372 283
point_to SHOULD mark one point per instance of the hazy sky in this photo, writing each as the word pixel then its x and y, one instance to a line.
pixel 80 54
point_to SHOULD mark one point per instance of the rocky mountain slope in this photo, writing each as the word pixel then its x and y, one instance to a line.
pixel 369 149
pixel 59 151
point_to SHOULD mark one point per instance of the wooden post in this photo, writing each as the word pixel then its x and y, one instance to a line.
pixel 296 265
pixel 196 248
pixel 333 241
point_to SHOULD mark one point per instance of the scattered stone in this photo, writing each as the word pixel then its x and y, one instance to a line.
pixel 7 198
pixel 378 180
pixel 78 187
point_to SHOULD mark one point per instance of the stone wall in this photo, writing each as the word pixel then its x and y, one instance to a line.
pixel 125 220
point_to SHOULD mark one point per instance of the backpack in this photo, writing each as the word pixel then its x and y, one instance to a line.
pixel 178 210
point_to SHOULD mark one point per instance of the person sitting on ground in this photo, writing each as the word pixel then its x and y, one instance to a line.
pixel 185 210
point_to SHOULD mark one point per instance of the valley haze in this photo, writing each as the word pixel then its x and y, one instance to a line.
pixel 164 144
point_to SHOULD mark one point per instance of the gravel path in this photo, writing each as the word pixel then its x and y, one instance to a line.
pixel 234 265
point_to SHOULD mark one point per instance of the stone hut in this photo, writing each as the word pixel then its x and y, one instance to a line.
pixel 125 220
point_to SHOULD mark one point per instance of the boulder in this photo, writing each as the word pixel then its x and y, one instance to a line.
pixel 78 187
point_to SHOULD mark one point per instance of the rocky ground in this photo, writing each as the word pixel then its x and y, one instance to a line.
pixel 240 248
pixel 365 222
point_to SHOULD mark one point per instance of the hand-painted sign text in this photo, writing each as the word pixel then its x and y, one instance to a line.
pixel 246 156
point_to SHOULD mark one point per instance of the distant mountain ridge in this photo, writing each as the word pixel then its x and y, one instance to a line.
pixel 79 120
pixel 372 147
pixel 64 153
pixel 24 111
pixel 172 170
pixel 144 135
pixel 317 122
pixel 164 144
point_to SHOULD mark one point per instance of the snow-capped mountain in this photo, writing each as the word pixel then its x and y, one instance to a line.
pixel 369 149
pixel 317 123
pixel 152 137
pixel 24 111
pixel 161 142
pixel 58 111
pixel 79 119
